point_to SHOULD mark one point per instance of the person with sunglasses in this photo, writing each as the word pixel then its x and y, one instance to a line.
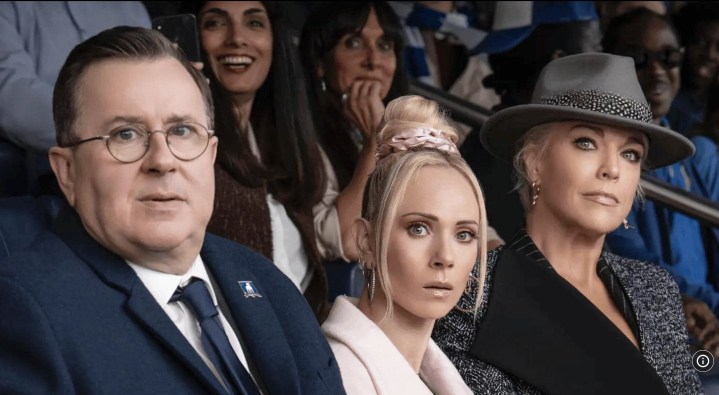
pixel 657 234
pixel 697 25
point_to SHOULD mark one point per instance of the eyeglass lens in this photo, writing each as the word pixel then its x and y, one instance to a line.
pixel 186 141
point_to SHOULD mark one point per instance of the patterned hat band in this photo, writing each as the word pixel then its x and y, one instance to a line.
pixel 601 102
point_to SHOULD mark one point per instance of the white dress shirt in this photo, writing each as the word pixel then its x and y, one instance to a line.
pixel 288 252
pixel 163 285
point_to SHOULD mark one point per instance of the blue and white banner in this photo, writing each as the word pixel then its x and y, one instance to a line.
pixel 513 21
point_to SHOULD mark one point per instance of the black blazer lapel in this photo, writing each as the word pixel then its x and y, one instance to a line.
pixel 141 305
pixel 540 329
pixel 261 330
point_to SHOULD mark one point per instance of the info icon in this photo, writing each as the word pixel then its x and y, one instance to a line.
pixel 703 360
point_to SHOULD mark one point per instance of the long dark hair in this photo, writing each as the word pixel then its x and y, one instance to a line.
pixel 291 165
pixel 322 31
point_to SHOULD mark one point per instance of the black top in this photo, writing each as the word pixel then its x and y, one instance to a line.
pixel 534 333
pixel 521 242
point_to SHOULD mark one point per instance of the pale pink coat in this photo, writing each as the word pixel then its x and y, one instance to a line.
pixel 371 364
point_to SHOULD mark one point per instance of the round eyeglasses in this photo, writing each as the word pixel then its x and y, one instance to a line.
pixel 129 143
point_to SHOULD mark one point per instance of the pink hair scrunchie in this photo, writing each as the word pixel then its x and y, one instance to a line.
pixel 418 137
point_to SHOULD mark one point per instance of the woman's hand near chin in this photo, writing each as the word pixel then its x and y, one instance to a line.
pixel 364 107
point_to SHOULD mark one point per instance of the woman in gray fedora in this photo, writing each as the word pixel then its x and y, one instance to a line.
pixel 559 315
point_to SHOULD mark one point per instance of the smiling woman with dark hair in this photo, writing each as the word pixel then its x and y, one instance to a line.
pixel 560 315
pixel 269 168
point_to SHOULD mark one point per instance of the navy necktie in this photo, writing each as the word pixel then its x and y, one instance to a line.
pixel 214 339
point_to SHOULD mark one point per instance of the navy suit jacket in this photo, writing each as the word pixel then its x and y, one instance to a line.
pixel 75 318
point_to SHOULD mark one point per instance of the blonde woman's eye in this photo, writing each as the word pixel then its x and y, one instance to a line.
pixel 632 156
pixel 418 230
pixel 466 236
pixel 585 143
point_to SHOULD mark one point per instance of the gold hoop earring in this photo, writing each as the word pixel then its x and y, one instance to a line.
pixel 535 193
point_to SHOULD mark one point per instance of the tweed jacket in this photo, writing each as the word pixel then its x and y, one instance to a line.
pixel 544 353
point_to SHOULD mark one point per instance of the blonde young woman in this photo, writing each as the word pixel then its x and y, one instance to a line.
pixel 559 315
pixel 423 229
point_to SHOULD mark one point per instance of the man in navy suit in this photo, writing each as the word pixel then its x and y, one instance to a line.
pixel 96 304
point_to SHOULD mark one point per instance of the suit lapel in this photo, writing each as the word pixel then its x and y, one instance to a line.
pixel 141 305
pixel 541 330
pixel 260 329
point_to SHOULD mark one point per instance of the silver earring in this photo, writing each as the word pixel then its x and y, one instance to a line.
pixel 626 224
pixel 371 285
pixel 324 86
pixel 535 193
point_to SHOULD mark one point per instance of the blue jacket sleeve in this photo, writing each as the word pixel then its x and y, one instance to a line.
pixel 631 243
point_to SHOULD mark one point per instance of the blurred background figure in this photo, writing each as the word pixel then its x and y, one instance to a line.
pixel 607 10
pixel 698 27
pixel 269 171
pixel 441 38
pixel 678 243
pixel 352 55
pixel 35 39
pixel 657 234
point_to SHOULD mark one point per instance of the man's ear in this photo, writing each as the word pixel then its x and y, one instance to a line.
pixel 62 163
pixel 213 148
pixel 363 238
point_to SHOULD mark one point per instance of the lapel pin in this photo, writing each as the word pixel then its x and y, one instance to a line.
pixel 249 289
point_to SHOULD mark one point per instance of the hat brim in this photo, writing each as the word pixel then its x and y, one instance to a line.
pixel 501 132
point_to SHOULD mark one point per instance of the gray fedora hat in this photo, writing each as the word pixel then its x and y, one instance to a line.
pixel 594 87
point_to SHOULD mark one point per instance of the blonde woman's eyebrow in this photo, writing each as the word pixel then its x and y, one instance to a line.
pixel 428 216
pixel 596 129
pixel 634 140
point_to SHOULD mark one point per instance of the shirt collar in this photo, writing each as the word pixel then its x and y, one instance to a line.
pixel 163 285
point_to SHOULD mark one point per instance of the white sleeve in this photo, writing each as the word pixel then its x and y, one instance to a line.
pixel 326 217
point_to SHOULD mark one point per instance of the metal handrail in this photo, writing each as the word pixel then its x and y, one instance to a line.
pixel 704 210
pixel 462 111
pixel 470 114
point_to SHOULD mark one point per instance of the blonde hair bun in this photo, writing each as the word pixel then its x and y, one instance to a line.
pixel 413 122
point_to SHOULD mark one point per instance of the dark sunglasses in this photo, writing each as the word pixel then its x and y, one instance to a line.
pixel 669 58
